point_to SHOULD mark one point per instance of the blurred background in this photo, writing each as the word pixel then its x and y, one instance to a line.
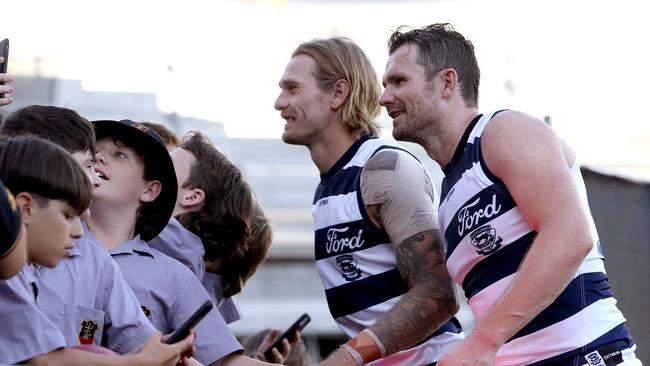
pixel 214 65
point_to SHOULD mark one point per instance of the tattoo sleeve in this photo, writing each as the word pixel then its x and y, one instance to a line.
pixel 431 300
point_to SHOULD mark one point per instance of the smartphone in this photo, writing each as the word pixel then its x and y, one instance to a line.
pixel 183 331
pixel 289 334
pixel 4 52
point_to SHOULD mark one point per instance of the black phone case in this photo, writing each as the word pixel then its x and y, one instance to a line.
pixel 182 331
pixel 289 334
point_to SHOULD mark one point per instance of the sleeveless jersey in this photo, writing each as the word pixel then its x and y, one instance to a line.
pixel 487 238
pixel 356 261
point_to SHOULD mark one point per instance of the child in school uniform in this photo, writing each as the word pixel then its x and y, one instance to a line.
pixel 132 205
pixel 51 191
pixel 86 295
pixel 219 231
pixel 213 209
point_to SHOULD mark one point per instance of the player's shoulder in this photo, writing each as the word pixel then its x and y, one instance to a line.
pixel 389 158
pixel 511 123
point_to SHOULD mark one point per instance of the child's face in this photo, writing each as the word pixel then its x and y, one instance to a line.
pixel 51 231
pixel 87 163
pixel 121 170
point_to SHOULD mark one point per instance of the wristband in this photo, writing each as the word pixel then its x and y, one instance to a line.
pixel 365 347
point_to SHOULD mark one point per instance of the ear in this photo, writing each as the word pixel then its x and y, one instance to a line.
pixel 151 191
pixel 27 205
pixel 192 199
pixel 448 82
pixel 340 93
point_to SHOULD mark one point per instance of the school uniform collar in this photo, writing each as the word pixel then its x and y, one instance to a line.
pixel 133 246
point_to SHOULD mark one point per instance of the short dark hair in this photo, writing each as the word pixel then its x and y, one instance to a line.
pixel 62 126
pixel 32 164
pixel 239 268
pixel 222 224
pixel 168 136
pixel 442 47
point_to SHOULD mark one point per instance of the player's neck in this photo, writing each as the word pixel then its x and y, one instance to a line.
pixel 112 226
pixel 451 130
pixel 331 145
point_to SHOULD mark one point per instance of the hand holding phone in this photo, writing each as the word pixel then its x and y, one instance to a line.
pixel 4 52
pixel 184 330
pixel 289 334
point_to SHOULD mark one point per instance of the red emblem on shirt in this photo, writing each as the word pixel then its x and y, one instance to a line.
pixel 87 332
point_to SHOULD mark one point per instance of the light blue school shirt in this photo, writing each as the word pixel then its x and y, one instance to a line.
pixel 181 244
pixel 169 293
pixel 26 331
pixel 87 297
pixel 213 284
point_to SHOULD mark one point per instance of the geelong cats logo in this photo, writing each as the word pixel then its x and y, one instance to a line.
pixel 348 267
pixel 485 240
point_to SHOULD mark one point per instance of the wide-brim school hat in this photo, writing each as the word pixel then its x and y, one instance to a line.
pixel 11 222
pixel 158 164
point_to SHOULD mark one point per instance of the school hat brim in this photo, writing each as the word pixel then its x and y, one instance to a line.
pixel 159 166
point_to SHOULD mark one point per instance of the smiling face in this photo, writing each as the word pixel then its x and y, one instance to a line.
pixel 51 228
pixel 121 170
pixel 409 98
pixel 302 104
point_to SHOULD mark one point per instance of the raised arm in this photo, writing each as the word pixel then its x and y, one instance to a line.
pixel 398 196
pixel 534 164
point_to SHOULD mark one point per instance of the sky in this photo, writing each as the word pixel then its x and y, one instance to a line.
pixel 583 63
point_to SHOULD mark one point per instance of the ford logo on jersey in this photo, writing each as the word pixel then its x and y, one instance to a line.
pixel 469 216
pixel 338 241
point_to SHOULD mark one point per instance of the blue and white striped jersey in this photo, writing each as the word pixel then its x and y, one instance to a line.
pixel 356 261
pixel 487 238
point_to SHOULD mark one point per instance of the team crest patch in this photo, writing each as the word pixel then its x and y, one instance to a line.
pixel 348 267
pixel 485 240
pixel 595 359
pixel 145 310
pixel 87 332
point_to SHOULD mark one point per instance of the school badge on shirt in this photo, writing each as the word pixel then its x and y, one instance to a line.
pixel 145 310
pixel 87 332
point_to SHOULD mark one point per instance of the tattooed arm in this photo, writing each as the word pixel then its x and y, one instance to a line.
pixel 399 198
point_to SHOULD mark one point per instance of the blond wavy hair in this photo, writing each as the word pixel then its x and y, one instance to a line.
pixel 339 58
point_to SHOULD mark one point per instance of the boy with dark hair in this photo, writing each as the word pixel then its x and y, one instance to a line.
pixel 133 204
pixel 63 126
pixel 86 295
pixel 214 213
pixel 52 192
pixel 213 206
